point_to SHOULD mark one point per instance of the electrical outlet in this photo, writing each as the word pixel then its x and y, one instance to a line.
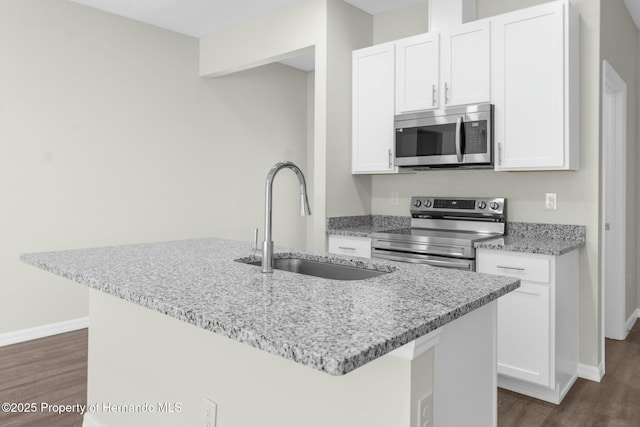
pixel 425 411
pixel 395 198
pixel 550 201
pixel 210 412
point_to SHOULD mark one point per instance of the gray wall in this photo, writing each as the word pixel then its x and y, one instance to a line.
pixel 577 192
pixel 109 136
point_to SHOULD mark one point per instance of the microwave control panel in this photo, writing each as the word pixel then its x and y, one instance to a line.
pixel 475 135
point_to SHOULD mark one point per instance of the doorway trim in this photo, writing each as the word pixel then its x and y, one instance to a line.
pixel 613 204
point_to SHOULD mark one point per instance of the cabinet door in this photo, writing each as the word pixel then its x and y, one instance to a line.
pixel 466 64
pixel 373 107
pixel 417 83
pixel 524 334
pixel 528 88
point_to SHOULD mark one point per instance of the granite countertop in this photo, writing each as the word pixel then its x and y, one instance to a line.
pixel 533 238
pixel 365 225
pixel 330 325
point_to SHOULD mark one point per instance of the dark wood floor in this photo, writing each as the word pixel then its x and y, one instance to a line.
pixel 613 402
pixel 52 370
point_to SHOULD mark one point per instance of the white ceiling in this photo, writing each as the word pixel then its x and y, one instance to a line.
pixel 198 18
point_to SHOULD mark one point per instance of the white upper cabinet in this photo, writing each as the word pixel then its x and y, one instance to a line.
pixel 466 64
pixel 417 72
pixel 436 70
pixel 535 83
pixel 373 109
pixel 526 63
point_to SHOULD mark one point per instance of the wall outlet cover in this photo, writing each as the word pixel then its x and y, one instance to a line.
pixel 425 411
pixel 550 201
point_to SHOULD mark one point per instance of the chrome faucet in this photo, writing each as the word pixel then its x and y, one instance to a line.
pixel 267 245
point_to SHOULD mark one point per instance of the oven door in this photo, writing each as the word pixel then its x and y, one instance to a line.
pixel 436 261
pixel 458 137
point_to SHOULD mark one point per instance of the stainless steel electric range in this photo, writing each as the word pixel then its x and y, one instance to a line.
pixel 443 231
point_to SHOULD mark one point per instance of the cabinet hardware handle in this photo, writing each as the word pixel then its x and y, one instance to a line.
pixel 433 95
pixel 346 248
pixel 510 268
pixel 390 166
pixel 446 93
pixel 499 153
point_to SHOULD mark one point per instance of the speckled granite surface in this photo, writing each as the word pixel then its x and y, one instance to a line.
pixel 330 325
pixel 545 239
pixel 365 225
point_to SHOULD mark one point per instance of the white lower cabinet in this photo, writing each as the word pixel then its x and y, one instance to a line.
pixel 537 323
pixel 350 245
pixel 524 334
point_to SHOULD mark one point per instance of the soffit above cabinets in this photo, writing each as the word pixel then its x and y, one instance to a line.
pixel 375 7
pixel 197 18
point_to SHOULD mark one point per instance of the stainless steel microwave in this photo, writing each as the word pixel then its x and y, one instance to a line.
pixel 455 137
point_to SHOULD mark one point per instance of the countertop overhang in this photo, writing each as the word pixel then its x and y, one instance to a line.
pixel 330 325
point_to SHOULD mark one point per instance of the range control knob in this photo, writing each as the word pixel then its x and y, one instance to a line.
pixel 427 203
pixel 482 205
pixel 417 203
pixel 494 206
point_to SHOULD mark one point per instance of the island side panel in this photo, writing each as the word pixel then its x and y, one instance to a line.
pixel 466 370
pixel 138 356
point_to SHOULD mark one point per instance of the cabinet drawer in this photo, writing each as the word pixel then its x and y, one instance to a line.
pixel 347 245
pixel 525 267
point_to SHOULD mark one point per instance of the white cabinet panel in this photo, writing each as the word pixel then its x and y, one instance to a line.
pixel 466 64
pixel 417 62
pixel 453 68
pixel 524 334
pixel 533 71
pixel 350 245
pixel 373 109
pixel 537 323
pixel 522 266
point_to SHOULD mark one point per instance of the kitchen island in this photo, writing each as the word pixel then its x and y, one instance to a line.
pixel 286 349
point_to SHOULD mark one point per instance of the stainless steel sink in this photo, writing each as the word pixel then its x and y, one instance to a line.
pixel 321 269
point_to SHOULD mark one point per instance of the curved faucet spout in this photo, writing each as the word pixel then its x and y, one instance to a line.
pixel 267 246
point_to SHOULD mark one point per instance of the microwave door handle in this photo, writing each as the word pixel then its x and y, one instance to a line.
pixel 459 139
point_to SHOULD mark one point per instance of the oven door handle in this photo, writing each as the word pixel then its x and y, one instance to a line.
pixel 459 138
pixel 421 259
pixel 431 248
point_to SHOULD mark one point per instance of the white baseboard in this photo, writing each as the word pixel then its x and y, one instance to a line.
pixel 43 331
pixel 631 320
pixel 590 372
